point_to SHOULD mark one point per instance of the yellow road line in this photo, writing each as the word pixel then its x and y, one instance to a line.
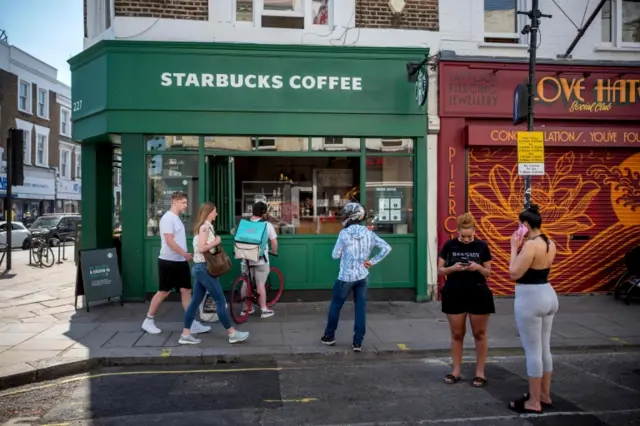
pixel 58 424
pixel 133 373
pixel 165 352
pixel 616 339
pixel 300 400
pixel 403 347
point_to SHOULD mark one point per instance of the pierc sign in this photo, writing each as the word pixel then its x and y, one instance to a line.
pixel 530 153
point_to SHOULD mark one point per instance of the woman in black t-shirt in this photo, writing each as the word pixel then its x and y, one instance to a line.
pixel 465 262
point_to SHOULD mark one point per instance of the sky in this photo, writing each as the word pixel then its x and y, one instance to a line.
pixel 50 30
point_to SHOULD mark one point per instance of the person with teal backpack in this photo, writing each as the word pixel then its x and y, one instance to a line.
pixel 250 245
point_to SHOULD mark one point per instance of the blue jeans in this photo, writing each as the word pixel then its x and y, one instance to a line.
pixel 206 283
pixel 341 290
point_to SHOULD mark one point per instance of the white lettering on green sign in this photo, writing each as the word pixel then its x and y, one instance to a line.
pixel 253 81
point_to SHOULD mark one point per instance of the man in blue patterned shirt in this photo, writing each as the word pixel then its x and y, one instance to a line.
pixel 353 248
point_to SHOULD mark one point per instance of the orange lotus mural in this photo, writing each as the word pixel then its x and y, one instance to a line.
pixel 589 201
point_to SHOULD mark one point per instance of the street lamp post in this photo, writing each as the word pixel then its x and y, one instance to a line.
pixel 534 15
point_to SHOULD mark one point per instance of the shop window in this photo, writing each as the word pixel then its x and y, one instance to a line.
pixel 305 195
pixel 172 143
pixel 389 145
pixel 390 194
pixel 621 23
pixel 501 22
pixel 167 174
pixel 228 143
pixel 335 144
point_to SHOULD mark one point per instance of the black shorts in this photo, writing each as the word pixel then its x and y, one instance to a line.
pixel 173 275
pixel 474 299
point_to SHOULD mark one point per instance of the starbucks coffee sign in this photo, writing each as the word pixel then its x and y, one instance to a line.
pixel 261 81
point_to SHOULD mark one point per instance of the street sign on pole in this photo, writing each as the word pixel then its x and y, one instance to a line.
pixel 531 153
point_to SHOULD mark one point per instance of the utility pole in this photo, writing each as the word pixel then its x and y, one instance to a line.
pixel 534 15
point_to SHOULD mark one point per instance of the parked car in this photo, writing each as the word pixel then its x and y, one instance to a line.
pixel 20 235
pixel 56 227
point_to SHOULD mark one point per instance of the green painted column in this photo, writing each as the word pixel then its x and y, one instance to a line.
pixel 133 215
pixel 97 195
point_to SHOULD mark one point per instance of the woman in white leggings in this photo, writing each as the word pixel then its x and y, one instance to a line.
pixel 535 305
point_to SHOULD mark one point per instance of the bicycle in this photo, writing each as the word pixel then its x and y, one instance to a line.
pixel 42 252
pixel 244 292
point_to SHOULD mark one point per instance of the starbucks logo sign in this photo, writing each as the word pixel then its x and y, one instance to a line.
pixel 421 87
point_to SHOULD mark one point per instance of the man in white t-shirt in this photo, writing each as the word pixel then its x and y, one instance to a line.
pixel 173 265
pixel 261 268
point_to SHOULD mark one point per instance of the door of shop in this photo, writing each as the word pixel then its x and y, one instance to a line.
pixel 587 204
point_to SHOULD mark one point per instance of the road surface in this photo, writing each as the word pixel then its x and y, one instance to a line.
pixel 595 389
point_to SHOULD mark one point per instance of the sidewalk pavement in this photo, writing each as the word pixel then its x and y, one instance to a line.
pixel 42 336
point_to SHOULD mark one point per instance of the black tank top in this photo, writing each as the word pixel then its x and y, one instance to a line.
pixel 536 276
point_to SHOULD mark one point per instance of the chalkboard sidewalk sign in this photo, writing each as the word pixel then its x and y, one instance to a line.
pixel 98 276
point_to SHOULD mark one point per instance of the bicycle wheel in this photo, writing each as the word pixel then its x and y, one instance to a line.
pixel 240 300
pixel 274 286
pixel 46 256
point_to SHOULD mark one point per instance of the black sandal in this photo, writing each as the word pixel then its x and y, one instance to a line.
pixel 518 407
pixel 479 382
pixel 544 404
pixel 451 379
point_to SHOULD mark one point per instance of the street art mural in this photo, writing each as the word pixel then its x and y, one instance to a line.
pixel 590 203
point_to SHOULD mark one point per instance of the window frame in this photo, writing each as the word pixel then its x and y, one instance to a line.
pixel 65 149
pixel 45 113
pixel 521 21
pixel 78 158
pixel 306 13
pixel 27 146
pixel 68 123
pixel 617 26
pixel 28 107
pixel 42 131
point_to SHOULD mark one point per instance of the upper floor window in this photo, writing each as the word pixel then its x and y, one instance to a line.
pixel 99 16
pixel 78 164
pixel 65 163
pixel 43 103
pixel 621 23
pixel 65 122
pixel 42 146
pixel 24 96
pixel 296 14
pixel 27 147
pixel 501 21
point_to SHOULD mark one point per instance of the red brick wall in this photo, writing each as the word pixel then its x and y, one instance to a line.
pixel 417 15
pixel 197 10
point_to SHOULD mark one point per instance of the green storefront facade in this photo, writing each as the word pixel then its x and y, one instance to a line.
pixel 304 128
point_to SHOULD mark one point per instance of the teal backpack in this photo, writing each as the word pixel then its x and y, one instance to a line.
pixel 250 241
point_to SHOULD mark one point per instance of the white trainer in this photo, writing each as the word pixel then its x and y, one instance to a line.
pixel 188 340
pixel 238 336
pixel 198 328
pixel 149 325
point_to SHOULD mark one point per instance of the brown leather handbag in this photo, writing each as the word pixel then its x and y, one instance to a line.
pixel 218 263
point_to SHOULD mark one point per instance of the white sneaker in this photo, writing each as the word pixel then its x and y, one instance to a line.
pixel 198 328
pixel 188 340
pixel 238 336
pixel 266 314
pixel 244 311
pixel 149 325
